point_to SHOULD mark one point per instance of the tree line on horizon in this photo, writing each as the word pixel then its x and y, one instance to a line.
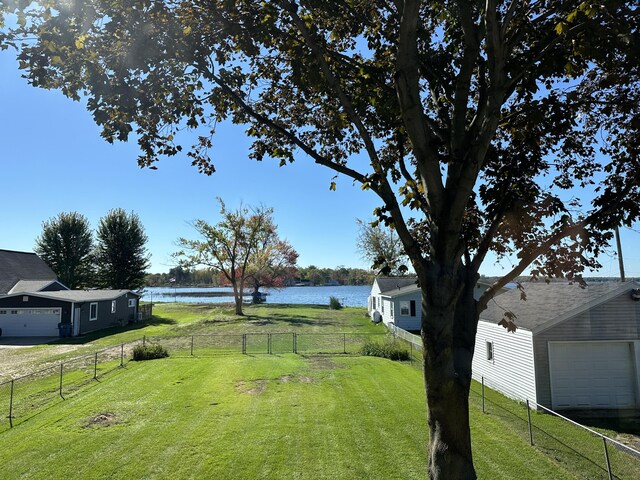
pixel 310 275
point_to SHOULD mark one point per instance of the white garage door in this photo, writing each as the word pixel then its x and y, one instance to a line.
pixel 29 322
pixel 592 375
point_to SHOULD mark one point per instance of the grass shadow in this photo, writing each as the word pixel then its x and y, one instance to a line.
pixel 106 332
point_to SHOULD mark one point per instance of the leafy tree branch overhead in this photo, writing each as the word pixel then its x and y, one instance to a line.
pixel 509 127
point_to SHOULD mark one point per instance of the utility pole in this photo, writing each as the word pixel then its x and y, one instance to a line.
pixel 620 260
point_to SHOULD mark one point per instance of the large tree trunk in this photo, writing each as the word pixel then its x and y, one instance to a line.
pixel 448 334
pixel 237 297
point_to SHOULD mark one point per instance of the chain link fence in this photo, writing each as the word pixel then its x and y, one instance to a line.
pixel 25 395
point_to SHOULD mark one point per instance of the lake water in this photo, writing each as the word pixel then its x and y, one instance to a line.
pixel 349 296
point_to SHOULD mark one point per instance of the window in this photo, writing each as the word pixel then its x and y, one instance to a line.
pixel 14 312
pixel 25 298
pixel 392 303
pixel 113 306
pixel 3 312
pixel 132 302
pixel 93 311
pixel 382 305
pixel 373 302
pixel 404 309
pixel 490 351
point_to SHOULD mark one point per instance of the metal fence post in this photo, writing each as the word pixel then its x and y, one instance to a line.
pixel 344 343
pixel 11 405
pixel 295 342
pixel 60 390
pixel 191 345
pixel 144 340
pixel 122 354
pixel 482 394
pixel 530 427
pixel 95 366
pixel 606 457
pixel 244 343
pixel 269 343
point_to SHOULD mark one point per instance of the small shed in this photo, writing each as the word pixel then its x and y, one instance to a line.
pixel 574 348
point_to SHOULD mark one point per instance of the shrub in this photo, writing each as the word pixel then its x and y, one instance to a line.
pixel 389 350
pixel 334 303
pixel 149 352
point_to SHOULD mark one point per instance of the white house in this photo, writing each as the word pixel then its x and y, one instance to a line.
pixel 397 301
pixel 574 348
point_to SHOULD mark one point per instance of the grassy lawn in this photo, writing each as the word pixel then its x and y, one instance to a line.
pixel 175 319
pixel 267 417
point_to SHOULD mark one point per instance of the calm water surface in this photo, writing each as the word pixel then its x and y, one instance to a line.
pixel 350 296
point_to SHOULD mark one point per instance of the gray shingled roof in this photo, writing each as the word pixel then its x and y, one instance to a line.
pixel 548 302
pixel 16 266
pixel 85 295
pixel 387 284
pixel 30 286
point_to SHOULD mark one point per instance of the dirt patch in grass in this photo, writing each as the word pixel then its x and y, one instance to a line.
pixel 251 387
pixel 105 419
pixel 294 378
pixel 321 362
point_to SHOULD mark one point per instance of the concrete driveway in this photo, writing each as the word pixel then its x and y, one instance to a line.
pixel 21 342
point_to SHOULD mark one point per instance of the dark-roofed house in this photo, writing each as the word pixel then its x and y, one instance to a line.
pixel 574 348
pixel 33 302
pixel 397 301
pixel 25 271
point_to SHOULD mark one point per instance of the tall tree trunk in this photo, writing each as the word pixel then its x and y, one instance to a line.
pixel 448 334
pixel 237 297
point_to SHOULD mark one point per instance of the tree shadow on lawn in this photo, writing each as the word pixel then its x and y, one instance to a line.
pixel 513 417
pixel 106 332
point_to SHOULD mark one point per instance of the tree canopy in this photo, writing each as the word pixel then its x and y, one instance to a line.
pixel 382 247
pixel 121 255
pixel 66 245
pixel 500 126
pixel 244 247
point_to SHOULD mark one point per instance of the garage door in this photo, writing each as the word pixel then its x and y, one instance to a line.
pixel 30 322
pixel 592 375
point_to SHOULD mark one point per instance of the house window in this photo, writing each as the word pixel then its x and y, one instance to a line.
pixel 490 351
pixel 3 312
pixel 113 306
pixel 93 311
pixel 132 302
pixel 392 309
pixel 373 302
pixel 382 305
pixel 25 298
pixel 404 309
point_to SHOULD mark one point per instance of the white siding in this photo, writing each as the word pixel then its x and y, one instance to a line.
pixel 511 371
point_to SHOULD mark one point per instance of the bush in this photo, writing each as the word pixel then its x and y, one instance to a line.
pixel 149 352
pixel 334 303
pixel 389 350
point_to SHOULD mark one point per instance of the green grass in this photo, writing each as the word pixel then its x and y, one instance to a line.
pixel 180 319
pixel 267 417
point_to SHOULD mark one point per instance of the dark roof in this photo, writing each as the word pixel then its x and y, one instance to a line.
pixel 79 295
pixel 16 266
pixel 387 284
pixel 547 304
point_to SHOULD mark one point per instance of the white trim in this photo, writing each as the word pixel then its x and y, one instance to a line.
pixel 132 303
pixel 90 307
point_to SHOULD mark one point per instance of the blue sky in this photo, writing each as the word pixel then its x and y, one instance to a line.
pixel 53 160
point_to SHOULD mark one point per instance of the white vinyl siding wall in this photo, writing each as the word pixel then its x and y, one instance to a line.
pixel 511 371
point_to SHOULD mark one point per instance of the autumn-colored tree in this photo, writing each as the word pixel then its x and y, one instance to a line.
pixel 500 126
pixel 273 263
pixel 243 247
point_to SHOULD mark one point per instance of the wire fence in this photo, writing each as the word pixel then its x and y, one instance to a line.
pixel 567 442
pixel 23 396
